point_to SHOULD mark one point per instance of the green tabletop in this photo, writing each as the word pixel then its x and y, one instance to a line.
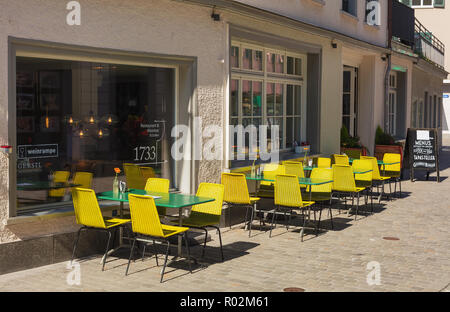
pixel 380 162
pixel 362 172
pixel 168 200
pixel 43 185
pixel 304 181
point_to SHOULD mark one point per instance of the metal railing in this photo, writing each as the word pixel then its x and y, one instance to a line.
pixel 427 45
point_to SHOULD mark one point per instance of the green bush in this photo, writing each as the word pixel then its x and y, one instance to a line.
pixel 347 140
pixel 382 138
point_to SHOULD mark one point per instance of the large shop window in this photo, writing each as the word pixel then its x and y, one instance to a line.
pixel 80 117
pixel 267 88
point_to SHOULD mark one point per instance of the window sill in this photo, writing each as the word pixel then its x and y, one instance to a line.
pixel 349 15
pixel 51 214
pixel 319 2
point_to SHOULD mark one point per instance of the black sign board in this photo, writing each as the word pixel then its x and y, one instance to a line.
pixel 37 151
pixel 421 151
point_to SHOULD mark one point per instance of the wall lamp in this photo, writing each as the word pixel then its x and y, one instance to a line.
pixel 215 16
pixel 333 44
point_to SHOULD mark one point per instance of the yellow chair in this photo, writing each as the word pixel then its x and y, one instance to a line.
pixel 147 227
pixel 270 171
pixel 134 177
pixel 294 168
pixel 59 177
pixel 344 183
pixel 208 214
pixel 341 159
pixel 321 193
pixel 323 162
pixel 376 177
pixel 89 215
pixel 393 171
pixel 83 179
pixel 147 172
pixel 287 198
pixel 364 179
pixel 236 194
pixel 160 186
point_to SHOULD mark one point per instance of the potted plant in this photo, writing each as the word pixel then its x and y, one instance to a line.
pixel 351 145
pixel 385 143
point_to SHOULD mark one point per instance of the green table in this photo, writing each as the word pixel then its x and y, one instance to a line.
pixel 167 200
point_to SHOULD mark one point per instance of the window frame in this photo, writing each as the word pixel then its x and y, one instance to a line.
pixel 266 77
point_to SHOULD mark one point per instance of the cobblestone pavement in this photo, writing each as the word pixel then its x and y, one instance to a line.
pixel 343 259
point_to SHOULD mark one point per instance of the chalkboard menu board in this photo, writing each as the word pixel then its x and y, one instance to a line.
pixel 421 151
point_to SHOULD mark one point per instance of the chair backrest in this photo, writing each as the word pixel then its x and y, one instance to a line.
pixel 235 188
pixel 323 162
pixel 294 168
pixel 391 158
pixel 363 165
pixel 147 172
pixel 376 170
pixel 341 159
pixel 287 191
pixel 87 210
pixel 270 171
pixel 343 178
pixel 157 185
pixel 214 208
pixel 84 179
pixel 135 180
pixel 144 216
pixel 323 174
pixel 59 177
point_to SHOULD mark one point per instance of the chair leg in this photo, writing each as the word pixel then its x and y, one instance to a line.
pixel 75 244
pixel 229 213
pixel 204 244
pixel 251 219
pixel 188 251
pixel 156 252
pixel 320 216
pixel 143 252
pixel 357 206
pixel 273 218
pixel 353 203
pixel 129 259
pixel 106 252
pixel 331 213
pixel 400 186
pixel 303 228
pixel 165 261
pixel 220 240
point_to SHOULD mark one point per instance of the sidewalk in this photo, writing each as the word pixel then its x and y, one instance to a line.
pixel 336 260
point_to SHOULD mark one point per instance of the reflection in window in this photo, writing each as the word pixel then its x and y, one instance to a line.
pixel 88 117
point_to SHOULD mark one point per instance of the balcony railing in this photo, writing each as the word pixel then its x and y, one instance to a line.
pixel 427 45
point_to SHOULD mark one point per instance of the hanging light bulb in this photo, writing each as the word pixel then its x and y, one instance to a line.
pixel 91 118
pixel 81 134
pixel 109 120
pixel 100 133
pixel 47 122
pixel 70 120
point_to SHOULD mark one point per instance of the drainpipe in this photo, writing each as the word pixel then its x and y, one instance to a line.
pixel 386 93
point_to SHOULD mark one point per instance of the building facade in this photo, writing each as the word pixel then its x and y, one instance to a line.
pixel 88 86
pixel 434 14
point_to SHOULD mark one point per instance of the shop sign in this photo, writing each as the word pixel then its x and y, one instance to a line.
pixel 156 129
pixel 37 151
pixel 373 13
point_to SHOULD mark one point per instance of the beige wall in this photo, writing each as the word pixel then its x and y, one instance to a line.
pixel 436 20
pixel 144 26
pixel 328 14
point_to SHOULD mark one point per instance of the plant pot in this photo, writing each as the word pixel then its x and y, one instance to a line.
pixel 380 150
pixel 354 152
